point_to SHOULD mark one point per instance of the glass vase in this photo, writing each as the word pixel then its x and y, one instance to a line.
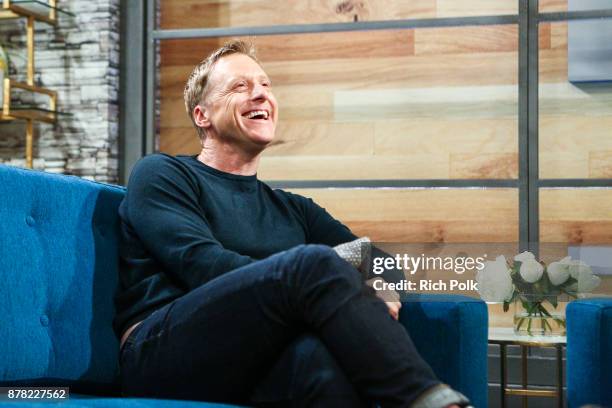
pixel 539 315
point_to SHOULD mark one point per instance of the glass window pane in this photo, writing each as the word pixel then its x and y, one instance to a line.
pixel 580 216
pixel 241 13
pixel 396 104
pixel 575 112
pixel 576 215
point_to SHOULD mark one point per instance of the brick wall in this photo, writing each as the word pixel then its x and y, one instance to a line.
pixel 80 59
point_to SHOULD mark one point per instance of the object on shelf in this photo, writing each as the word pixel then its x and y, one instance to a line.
pixel 21 111
pixel 38 9
pixel 4 64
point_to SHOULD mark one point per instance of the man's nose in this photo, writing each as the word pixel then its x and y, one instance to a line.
pixel 258 92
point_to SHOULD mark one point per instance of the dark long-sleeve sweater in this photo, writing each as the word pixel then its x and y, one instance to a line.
pixel 184 223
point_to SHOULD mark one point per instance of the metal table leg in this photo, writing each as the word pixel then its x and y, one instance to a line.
pixel 524 350
pixel 502 364
pixel 560 375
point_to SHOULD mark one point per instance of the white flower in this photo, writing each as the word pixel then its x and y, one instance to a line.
pixel 531 270
pixel 578 267
pixel 494 281
pixel 587 282
pixel 558 272
pixel 584 275
pixel 524 256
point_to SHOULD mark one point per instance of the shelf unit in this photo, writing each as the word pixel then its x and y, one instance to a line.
pixel 32 10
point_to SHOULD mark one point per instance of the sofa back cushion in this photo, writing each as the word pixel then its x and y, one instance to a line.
pixel 58 275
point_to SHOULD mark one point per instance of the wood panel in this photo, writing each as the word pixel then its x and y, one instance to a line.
pixel 454 8
pixel 418 135
pixel 389 43
pixel 576 146
pixel 353 167
pixel 223 13
pixel 558 35
pixel 576 215
pixel 475 166
pixel 424 215
pixel 466 40
pixel 547 6
pixel 179 140
pixel 600 164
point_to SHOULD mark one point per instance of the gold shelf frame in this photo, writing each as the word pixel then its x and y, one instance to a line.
pixel 15 10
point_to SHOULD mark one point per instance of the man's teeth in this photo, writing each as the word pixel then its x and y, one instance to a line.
pixel 252 114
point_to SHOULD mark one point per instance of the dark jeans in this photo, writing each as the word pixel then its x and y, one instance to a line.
pixel 295 329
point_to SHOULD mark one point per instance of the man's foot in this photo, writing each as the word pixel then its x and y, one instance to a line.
pixel 440 396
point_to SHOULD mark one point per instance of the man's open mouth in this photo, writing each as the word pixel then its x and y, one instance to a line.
pixel 257 115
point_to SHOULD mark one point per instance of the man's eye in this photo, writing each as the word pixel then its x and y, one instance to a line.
pixel 240 85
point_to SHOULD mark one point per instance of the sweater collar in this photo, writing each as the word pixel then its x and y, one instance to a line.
pixel 223 174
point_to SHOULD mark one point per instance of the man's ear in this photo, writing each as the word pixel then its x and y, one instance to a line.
pixel 200 117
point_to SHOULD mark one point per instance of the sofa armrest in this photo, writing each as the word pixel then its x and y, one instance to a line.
pixel 589 355
pixel 450 332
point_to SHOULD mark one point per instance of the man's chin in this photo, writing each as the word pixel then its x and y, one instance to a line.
pixel 263 140
pixel 258 144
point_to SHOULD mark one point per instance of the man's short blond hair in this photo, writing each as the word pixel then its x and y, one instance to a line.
pixel 197 84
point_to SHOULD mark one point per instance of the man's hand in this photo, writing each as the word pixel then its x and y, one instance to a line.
pixel 390 297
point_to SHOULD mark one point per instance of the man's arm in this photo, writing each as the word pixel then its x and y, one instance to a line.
pixel 162 208
pixel 323 228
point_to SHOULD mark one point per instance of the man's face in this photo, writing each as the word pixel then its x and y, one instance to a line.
pixel 239 105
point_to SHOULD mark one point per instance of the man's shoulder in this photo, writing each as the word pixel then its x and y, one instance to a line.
pixel 292 198
pixel 161 160
pixel 280 193
pixel 158 164
pixel 162 169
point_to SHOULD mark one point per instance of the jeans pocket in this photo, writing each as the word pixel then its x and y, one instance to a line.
pixel 153 326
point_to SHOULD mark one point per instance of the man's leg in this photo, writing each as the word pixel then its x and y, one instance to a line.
pixel 217 341
pixel 306 375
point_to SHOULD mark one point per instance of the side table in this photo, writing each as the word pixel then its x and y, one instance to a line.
pixel 506 336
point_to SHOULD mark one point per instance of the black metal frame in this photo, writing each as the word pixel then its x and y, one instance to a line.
pixel 140 38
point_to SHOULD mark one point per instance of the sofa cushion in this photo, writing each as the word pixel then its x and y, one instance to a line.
pixel 58 275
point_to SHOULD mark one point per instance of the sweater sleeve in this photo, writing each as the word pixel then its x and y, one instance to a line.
pixel 163 210
pixel 321 227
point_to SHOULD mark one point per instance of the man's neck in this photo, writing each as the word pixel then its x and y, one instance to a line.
pixel 228 158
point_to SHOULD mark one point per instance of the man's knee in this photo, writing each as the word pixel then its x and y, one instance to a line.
pixel 322 261
pixel 313 252
pixel 320 264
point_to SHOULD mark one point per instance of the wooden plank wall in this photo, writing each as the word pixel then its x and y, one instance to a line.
pixel 426 103
pixel 224 13
pixel 231 13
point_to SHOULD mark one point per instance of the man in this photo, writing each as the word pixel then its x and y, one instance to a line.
pixel 231 290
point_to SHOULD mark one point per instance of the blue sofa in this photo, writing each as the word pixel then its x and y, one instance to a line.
pixel 58 274
pixel 589 352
